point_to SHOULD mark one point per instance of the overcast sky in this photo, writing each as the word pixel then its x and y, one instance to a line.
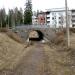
pixel 37 4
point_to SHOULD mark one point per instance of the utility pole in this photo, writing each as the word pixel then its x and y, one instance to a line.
pixel 67 25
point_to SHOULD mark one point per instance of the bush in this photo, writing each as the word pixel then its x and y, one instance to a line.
pixel 12 35
pixel 3 30
pixel 15 36
pixel 59 38
pixel 60 33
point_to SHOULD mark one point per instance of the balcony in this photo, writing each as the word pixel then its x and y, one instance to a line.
pixel 73 14
pixel 73 19
pixel 48 19
pixel 73 22
pixel 48 16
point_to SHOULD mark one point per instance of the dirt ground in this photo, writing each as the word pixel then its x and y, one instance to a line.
pixel 36 59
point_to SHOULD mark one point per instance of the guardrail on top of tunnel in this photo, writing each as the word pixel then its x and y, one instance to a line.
pixel 31 26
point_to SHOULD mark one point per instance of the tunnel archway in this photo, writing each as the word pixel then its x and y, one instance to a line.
pixel 36 35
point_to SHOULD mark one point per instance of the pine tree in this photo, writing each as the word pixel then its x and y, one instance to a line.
pixel 28 13
pixel 16 15
pixel 11 18
pixel 2 18
pixel 20 16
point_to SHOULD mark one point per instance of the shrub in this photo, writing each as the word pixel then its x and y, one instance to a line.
pixel 15 36
pixel 3 30
pixel 59 38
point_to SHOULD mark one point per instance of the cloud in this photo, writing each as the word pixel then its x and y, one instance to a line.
pixel 37 4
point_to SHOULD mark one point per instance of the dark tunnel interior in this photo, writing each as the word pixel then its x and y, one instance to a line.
pixel 41 36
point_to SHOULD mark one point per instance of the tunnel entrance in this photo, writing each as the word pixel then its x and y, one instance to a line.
pixel 36 35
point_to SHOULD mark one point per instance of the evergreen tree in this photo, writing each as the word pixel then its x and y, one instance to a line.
pixel 2 18
pixel 11 18
pixel 21 16
pixel 7 21
pixel 28 13
pixel 18 16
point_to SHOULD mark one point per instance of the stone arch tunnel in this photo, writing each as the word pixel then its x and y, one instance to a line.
pixel 36 35
pixel 43 33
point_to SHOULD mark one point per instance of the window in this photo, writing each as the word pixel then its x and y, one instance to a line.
pixel 47 12
pixel 55 17
pixel 42 19
pixel 73 20
pixel 73 11
pixel 48 17
pixel 53 13
pixel 73 25
pixel 73 16
pixel 48 21
pixel 59 22
pixel 52 18
pixel 59 17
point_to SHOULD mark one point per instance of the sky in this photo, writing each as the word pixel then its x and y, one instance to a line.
pixel 37 4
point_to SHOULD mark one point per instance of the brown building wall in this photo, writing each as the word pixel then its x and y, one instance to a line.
pixel 41 19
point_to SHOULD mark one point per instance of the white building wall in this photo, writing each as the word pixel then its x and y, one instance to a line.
pixel 60 17
pixel 51 20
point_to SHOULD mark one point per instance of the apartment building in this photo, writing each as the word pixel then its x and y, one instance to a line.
pixel 56 18
pixel 39 19
pixel 34 18
pixel 73 17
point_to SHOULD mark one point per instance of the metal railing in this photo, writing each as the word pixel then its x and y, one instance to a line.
pixel 32 26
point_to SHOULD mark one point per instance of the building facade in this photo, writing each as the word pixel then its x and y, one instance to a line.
pixel 34 18
pixel 42 18
pixel 73 17
pixel 39 18
pixel 56 18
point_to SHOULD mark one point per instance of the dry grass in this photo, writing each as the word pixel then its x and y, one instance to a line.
pixel 12 35
pixel 3 30
pixel 59 39
pixel 15 37
pixel 10 52
pixel 61 58
pixel 61 61
pixel 72 40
